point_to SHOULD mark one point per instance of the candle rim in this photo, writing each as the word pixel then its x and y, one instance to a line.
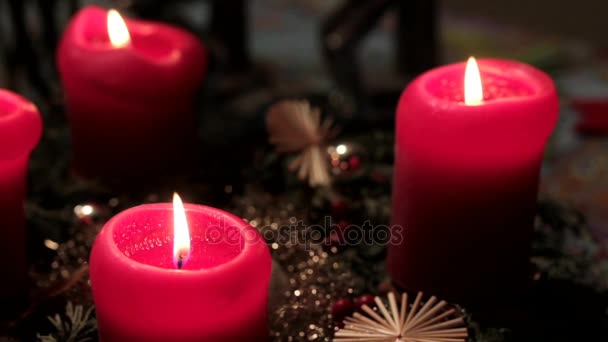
pixel 240 224
pixel 22 124
pixel 18 103
pixel 80 65
pixel 538 81
pixel 136 28
pixel 7 99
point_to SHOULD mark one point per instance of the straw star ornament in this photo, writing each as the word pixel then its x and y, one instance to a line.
pixel 295 126
pixel 431 322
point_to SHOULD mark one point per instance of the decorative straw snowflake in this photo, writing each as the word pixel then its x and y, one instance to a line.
pixel 430 322
pixel 295 126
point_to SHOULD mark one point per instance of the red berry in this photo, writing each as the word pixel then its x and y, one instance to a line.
pixel 385 287
pixel 366 299
pixel 337 237
pixel 354 162
pixel 378 177
pixel 342 308
pixel 339 208
pixel 342 225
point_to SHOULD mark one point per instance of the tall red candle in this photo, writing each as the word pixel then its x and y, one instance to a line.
pixel 141 293
pixel 129 91
pixel 20 131
pixel 466 180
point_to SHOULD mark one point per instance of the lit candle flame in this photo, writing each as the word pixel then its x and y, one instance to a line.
pixel 473 89
pixel 118 30
pixel 181 233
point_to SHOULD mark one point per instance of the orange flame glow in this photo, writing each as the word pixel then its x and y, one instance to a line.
pixel 181 233
pixel 473 89
pixel 118 30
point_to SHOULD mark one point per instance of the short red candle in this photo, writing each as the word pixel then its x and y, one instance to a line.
pixel 130 108
pixel 466 181
pixel 220 294
pixel 20 131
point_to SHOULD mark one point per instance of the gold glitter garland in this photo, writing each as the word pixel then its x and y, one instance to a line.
pixel 314 276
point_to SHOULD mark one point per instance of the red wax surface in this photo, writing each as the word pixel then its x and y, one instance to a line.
pixel 130 109
pixel 219 295
pixel 20 131
pixel 466 180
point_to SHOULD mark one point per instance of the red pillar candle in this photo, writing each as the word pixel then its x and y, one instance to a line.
pixel 20 130
pixel 129 90
pixel 153 282
pixel 466 179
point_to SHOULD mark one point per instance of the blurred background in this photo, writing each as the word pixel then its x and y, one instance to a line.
pixel 581 20
pixel 260 34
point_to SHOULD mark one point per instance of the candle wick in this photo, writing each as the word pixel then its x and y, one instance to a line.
pixel 180 262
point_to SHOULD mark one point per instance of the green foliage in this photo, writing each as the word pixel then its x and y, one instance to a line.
pixel 79 326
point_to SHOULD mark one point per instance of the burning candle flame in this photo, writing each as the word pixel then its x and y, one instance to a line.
pixel 181 233
pixel 118 30
pixel 473 89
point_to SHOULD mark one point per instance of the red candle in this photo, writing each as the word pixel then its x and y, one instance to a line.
pixel 154 279
pixel 466 179
pixel 129 89
pixel 20 131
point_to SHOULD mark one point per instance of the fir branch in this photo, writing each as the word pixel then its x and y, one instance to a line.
pixel 79 326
